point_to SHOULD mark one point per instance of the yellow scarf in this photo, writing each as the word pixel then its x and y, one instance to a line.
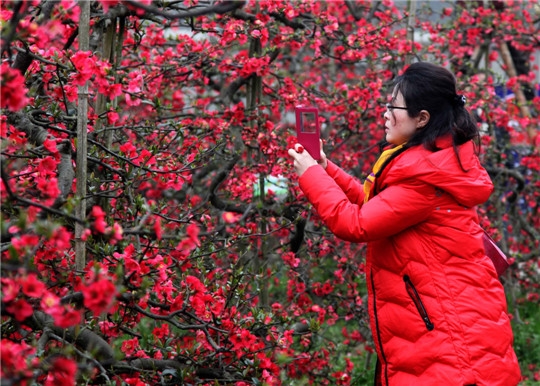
pixel 370 180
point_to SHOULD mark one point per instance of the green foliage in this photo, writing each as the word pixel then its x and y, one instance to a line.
pixel 527 339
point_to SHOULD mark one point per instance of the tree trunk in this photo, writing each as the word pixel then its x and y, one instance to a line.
pixel 520 96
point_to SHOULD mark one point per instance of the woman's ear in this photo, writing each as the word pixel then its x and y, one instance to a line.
pixel 422 119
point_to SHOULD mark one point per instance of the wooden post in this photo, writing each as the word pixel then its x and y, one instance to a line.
pixel 410 30
pixel 82 131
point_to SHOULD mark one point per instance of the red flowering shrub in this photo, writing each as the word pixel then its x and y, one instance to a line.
pixel 195 259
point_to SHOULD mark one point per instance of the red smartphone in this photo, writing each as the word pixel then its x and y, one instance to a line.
pixel 307 129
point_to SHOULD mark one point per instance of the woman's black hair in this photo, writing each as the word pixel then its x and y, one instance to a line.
pixel 426 86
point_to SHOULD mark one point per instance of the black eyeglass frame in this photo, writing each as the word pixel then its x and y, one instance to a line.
pixel 390 107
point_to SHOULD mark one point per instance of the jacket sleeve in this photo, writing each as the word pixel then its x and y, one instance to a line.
pixel 352 187
pixel 394 209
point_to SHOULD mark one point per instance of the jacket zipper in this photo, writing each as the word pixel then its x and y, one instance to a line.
pixel 411 290
pixel 383 357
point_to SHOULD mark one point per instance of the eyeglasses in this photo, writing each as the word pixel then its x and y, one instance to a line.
pixel 390 107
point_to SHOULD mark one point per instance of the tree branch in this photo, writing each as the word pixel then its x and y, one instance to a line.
pixel 36 134
pixel 218 180
pixel 66 173
pixel 151 364
pixel 227 94
pixel 5 178
pixel 83 338
pixel 11 28
pixel 218 8
pixel 24 58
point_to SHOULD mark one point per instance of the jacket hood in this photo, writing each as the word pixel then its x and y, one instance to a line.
pixel 469 184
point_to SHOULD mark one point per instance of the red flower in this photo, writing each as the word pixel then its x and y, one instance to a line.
pixel 114 233
pixel 161 332
pixel 290 259
pixel 131 266
pixel 134 382
pixel 242 339
pixel 342 378
pixel 24 243
pixel 193 233
pixel 200 303
pixel 195 284
pixel 61 239
pixel 10 289
pixel 85 65
pixel 47 167
pixel 32 286
pixel 98 296
pixel 48 187
pixel 128 149
pixel 14 357
pixel 113 117
pixel 50 145
pixel 108 3
pixel 177 303
pixel 191 242
pixel 157 228
pixel 99 224
pixel 63 373
pixel 130 346
pixel 20 309
pixel 65 318
pixel 49 301
pixel 13 91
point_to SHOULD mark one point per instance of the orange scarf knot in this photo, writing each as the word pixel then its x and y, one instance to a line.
pixel 370 180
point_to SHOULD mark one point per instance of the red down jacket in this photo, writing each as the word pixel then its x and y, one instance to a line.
pixel 437 309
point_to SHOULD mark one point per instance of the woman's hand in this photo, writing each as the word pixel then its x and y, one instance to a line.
pixel 303 160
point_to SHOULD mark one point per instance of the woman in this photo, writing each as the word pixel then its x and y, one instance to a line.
pixel 437 309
